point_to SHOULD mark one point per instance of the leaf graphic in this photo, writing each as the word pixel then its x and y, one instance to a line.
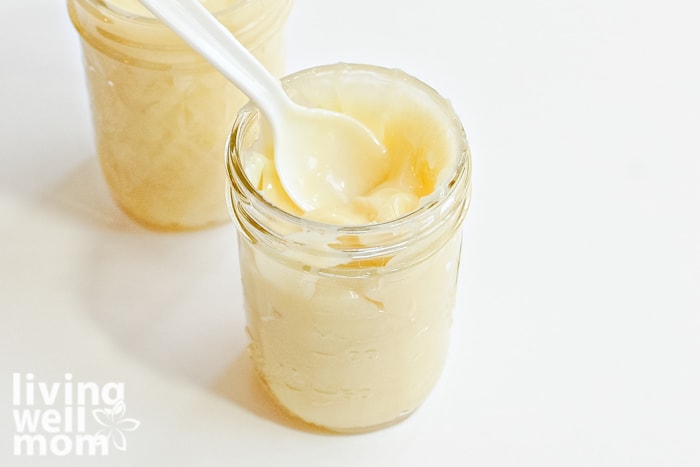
pixel 114 422
pixel 118 409
pixel 119 440
pixel 103 417
pixel 128 424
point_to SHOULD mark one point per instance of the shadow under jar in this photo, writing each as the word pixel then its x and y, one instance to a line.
pixel 349 309
pixel 161 113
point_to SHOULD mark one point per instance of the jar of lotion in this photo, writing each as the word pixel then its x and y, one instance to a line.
pixel 349 307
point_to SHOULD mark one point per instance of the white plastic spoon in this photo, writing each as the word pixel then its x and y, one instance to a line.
pixel 322 157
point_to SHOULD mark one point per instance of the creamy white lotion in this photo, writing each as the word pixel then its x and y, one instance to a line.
pixel 349 306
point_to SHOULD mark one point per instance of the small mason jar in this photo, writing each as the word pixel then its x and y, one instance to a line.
pixel 349 324
pixel 160 112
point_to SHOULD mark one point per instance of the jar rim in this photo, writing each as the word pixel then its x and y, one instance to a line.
pixel 96 20
pixel 249 114
pixel 462 172
pixel 107 5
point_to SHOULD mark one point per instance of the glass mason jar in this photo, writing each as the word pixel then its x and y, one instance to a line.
pixel 161 114
pixel 349 324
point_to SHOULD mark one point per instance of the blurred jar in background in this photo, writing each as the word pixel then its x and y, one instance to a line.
pixel 161 114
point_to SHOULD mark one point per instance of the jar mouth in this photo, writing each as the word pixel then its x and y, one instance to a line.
pixel 384 237
pixel 102 24
pixel 144 15
pixel 249 116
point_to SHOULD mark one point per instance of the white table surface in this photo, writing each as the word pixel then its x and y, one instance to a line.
pixel 576 339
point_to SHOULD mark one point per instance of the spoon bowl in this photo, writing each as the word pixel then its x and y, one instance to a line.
pixel 322 157
pixel 325 158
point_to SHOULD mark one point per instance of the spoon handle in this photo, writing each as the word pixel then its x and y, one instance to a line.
pixel 207 36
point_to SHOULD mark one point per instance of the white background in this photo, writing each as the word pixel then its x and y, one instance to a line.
pixel 576 339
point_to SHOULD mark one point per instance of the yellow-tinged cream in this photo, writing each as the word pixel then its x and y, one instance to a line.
pixel 358 343
pixel 419 148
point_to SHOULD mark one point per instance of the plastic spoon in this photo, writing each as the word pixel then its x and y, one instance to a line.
pixel 322 157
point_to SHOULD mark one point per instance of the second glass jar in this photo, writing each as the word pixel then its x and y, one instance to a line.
pixel 160 112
